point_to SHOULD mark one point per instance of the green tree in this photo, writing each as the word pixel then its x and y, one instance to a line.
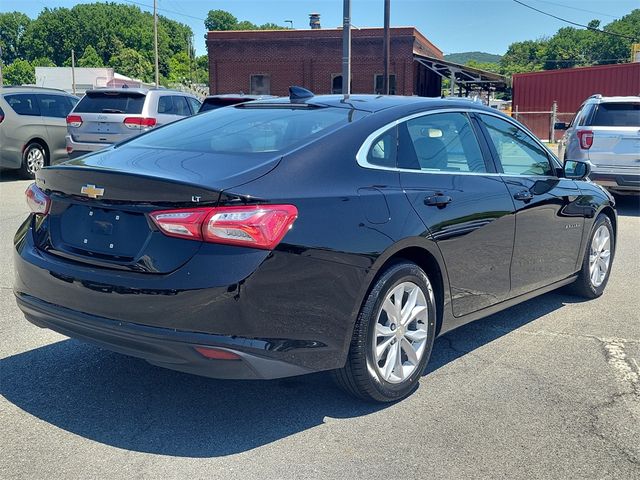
pixel 42 62
pixel 133 64
pixel 220 20
pixel 179 67
pixel 486 66
pixel 527 56
pixel 90 58
pixel 20 72
pixel 12 28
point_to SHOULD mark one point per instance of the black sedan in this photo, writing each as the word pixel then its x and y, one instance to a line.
pixel 294 235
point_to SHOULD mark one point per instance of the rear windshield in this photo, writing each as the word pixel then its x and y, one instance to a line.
pixel 617 115
pixel 213 103
pixel 247 129
pixel 111 102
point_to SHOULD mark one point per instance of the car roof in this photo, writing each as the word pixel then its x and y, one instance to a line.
pixel 239 96
pixel 31 89
pixel 375 103
pixel 140 90
pixel 618 99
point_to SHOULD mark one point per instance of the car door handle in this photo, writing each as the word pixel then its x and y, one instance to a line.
pixel 525 196
pixel 439 200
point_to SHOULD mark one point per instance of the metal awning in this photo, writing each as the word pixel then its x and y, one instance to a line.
pixel 463 76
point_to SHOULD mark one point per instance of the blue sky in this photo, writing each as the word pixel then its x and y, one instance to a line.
pixel 452 25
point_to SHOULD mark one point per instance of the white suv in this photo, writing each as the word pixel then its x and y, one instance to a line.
pixel 606 132
pixel 109 115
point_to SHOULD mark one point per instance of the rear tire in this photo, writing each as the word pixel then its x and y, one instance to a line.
pixel 598 258
pixel 34 158
pixel 393 336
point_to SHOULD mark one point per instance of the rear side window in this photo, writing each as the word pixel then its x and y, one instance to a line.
pixel 518 153
pixel 247 130
pixel 440 142
pixel 173 105
pixel 195 104
pixel 23 103
pixel 111 102
pixel 57 106
pixel 384 149
pixel 213 103
pixel 617 115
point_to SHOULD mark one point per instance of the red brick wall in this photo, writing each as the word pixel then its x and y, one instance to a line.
pixel 309 58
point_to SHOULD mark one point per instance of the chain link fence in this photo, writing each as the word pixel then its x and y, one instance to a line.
pixel 541 122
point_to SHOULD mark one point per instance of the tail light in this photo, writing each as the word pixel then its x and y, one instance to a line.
pixel 37 200
pixel 217 353
pixel 256 226
pixel 585 139
pixel 74 120
pixel 140 122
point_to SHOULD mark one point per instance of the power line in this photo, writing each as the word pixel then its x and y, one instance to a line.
pixel 576 8
pixel 574 23
pixel 164 10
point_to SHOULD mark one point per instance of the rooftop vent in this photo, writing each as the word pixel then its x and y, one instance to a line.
pixel 314 21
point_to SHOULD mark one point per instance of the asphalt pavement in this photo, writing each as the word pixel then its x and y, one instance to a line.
pixel 547 389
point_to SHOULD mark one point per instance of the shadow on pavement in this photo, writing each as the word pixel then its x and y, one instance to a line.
pixel 9 176
pixel 129 404
pixel 628 205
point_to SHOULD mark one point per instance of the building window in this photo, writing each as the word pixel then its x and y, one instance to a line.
pixel 260 84
pixel 336 83
pixel 379 84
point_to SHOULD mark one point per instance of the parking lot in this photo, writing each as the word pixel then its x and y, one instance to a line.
pixel 546 389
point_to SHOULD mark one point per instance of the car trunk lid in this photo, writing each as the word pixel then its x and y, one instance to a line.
pixel 100 215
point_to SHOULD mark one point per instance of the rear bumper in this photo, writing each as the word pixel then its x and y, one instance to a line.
pixel 76 149
pixel 283 313
pixel 623 181
pixel 160 346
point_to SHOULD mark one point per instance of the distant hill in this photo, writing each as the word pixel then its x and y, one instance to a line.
pixel 463 57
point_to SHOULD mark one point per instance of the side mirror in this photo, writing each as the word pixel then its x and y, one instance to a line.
pixel 560 126
pixel 576 170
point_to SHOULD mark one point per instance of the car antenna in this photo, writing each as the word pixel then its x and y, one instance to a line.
pixel 299 93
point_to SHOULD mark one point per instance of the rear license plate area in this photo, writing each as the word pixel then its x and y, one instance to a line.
pixel 101 231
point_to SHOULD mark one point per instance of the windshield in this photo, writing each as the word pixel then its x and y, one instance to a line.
pixel 247 129
pixel 111 102
pixel 617 115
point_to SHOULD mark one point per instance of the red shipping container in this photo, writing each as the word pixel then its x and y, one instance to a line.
pixel 536 91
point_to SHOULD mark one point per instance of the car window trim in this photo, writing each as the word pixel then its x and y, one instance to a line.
pixel 361 155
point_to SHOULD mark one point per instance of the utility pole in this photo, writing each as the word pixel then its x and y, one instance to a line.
pixel 386 46
pixel 346 47
pixel 73 71
pixel 155 39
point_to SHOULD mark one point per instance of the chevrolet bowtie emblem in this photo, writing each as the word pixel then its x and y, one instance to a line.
pixel 92 191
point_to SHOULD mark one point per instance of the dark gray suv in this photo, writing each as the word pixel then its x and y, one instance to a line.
pixel 32 127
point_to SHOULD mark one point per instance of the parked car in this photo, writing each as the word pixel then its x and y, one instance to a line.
pixel 606 132
pixel 218 101
pixel 109 115
pixel 293 235
pixel 32 127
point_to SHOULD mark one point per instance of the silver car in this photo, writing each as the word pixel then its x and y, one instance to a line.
pixel 109 115
pixel 606 132
pixel 32 127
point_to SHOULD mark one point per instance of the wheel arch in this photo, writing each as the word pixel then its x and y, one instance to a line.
pixel 426 255
pixel 42 143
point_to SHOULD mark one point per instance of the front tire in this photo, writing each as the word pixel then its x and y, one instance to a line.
pixel 34 158
pixel 393 336
pixel 598 257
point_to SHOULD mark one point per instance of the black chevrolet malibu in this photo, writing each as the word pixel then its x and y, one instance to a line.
pixel 294 235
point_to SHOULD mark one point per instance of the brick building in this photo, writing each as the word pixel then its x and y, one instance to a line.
pixel 269 61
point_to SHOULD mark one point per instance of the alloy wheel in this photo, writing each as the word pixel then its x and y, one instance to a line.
pixel 401 332
pixel 35 160
pixel 599 255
